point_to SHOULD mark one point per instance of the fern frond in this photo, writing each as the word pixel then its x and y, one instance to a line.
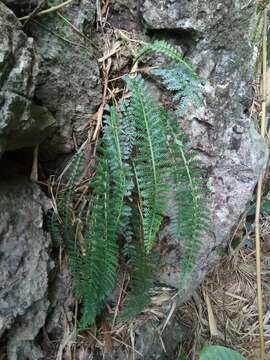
pixel 143 269
pixel 127 129
pixel 160 46
pixel 189 215
pixel 99 263
pixel 53 227
pixel 110 187
pixel 149 161
pixel 185 86
pixel 65 203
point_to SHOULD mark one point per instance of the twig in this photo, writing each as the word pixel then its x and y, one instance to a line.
pixel 116 47
pixel 123 289
pixel 126 345
pixel 76 29
pixel 140 70
pixel 34 12
pixel 103 103
pixel 34 171
pixel 73 43
pixel 47 11
pixel 259 193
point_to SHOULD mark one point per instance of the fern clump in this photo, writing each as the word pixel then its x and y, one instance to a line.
pixel 144 162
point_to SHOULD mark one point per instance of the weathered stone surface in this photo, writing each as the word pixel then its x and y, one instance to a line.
pixel 69 80
pixel 21 344
pixel 21 7
pixel 22 123
pixel 223 130
pixel 151 342
pixel 23 261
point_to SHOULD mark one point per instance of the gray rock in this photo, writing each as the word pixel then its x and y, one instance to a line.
pixel 69 81
pixel 23 261
pixel 21 4
pixel 22 123
pixel 201 17
pixel 223 130
pixel 21 343
pixel 151 341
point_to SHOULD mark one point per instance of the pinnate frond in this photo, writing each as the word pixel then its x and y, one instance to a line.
pixel 149 162
pixel 185 85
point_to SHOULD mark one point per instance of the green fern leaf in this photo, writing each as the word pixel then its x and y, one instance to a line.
pixel 160 46
pixel 189 215
pixel 186 86
pixel 53 226
pixel 149 161
pixel 143 269
pixel 107 209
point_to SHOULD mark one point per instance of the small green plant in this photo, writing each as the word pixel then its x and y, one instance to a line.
pixel 144 165
pixel 216 352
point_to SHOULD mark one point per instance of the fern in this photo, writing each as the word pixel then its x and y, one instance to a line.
pixel 143 269
pixel 101 257
pixel 52 224
pixel 110 186
pixel 160 46
pixel 149 161
pixel 143 157
pixel 186 86
pixel 189 215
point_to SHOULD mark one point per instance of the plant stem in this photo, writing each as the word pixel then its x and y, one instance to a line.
pixel 259 193
pixel 47 11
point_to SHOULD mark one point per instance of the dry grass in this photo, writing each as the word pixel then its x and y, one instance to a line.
pixel 224 310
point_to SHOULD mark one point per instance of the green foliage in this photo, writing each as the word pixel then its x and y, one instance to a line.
pixel 265 208
pixel 144 166
pixel 216 352
pixel 160 46
pixel 261 5
pixel 189 212
pixel 212 352
pixel 151 152
pixel 143 268
pixel 185 85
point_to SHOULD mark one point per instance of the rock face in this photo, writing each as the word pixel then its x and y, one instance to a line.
pixel 69 80
pixel 24 265
pixel 223 131
pixel 22 123
pixel 56 68
pixel 21 7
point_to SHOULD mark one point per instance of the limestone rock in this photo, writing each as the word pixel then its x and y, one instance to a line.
pixel 21 7
pixel 24 262
pixel 69 80
pixel 22 123
pixel 147 341
pixel 21 344
pixel 223 131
